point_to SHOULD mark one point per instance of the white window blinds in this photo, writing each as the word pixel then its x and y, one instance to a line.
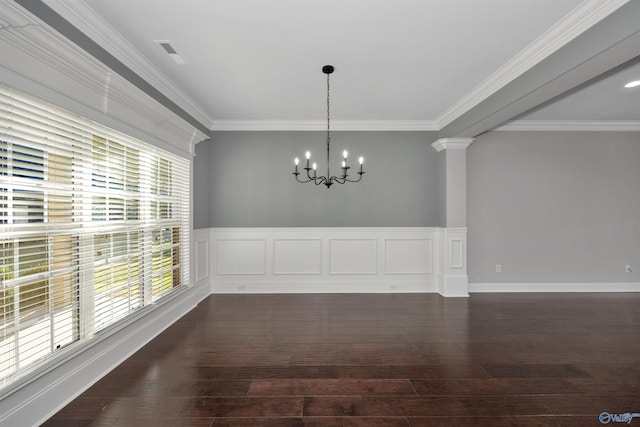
pixel 94 225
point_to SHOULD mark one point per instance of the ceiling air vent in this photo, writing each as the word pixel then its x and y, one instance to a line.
pixel 171 51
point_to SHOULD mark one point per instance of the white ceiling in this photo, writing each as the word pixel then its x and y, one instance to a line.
pixel 422 62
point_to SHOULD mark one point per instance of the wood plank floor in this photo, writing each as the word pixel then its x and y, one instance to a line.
pixel 379 360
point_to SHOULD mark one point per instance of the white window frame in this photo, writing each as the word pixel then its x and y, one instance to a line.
pixel 29 122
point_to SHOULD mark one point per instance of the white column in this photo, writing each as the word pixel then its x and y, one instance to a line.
pixel 452 275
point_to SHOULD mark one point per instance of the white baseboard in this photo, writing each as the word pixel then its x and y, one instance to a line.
pixel 453 286
pixel 319 287
pixel 35 402
pixel 554 287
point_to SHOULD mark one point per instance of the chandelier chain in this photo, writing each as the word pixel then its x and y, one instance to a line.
pixel 328 129
pixel 328 105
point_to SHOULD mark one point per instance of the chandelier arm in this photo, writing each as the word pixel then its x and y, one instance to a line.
pixel 355 180
pixel 301 181
pixel 345 178
pixel 308 174
pixel 320 180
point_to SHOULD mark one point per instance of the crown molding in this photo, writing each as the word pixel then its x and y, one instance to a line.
pixel 14 17
pixel 59 54
pixel 40 61
pixel 583 17
pixel 572 125
pixel 52 49
pixel 452 144
pixel 320 125
pixel 85 19
pixel 64 56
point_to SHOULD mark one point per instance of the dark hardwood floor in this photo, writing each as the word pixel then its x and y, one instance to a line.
pixel 379 360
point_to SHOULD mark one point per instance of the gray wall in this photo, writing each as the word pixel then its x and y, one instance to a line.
pixel 249 181
pixel 554 207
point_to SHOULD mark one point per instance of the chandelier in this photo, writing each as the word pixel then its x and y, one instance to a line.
pixel 311 170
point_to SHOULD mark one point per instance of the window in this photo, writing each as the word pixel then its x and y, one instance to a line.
pixel 94 225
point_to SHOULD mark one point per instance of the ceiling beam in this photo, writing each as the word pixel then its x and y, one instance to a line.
pixel 613 42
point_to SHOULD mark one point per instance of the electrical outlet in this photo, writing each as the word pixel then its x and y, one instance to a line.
pixel 498 268
pixel 627 269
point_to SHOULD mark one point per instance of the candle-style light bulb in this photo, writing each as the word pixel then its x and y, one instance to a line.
pixel 315 166
pixel 361 160
pixel 308 155
pixel 296 161
pixel 345 154
pixel 344 164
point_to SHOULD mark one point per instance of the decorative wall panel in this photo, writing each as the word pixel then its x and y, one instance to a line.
pixel 202 260
pixel 352 256
pixel 241 256
pixel 408 256
pixel 297 256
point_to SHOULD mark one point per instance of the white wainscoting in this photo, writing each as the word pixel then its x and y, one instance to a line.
pixel 409 256
pixel 353 256
pixel 202 256
pixel 241 256
pixel 453 279
pixel 297 256
pixel 336 260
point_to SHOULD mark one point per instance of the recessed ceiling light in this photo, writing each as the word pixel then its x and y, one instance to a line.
pixel 633 83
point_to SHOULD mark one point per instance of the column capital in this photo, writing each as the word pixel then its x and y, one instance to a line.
pixel 452 144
